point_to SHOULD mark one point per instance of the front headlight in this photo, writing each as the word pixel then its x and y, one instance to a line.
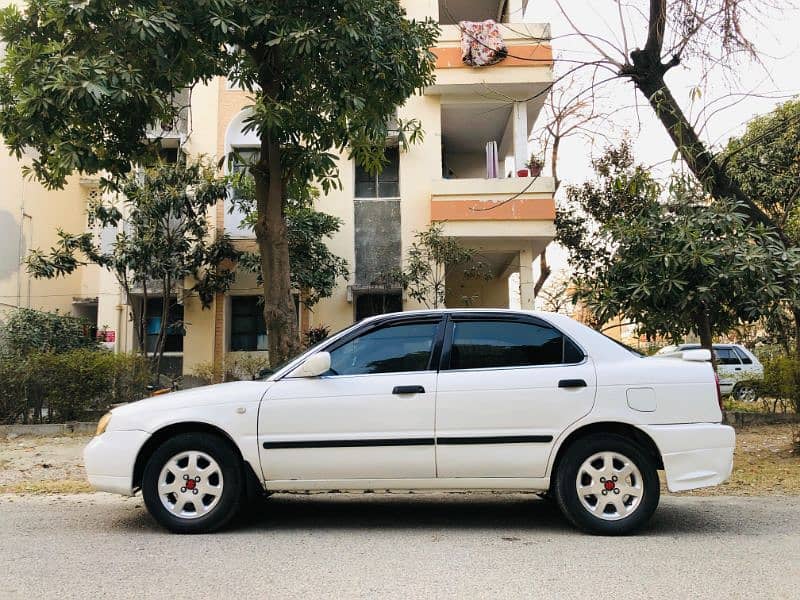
pixel 102 424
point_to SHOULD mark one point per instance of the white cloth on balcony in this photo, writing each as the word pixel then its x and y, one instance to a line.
pixel 492 163
pixel 481 43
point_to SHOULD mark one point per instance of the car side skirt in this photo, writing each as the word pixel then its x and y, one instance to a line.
pixel 433 484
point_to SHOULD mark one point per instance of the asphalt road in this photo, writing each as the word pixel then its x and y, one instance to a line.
pixel 399 546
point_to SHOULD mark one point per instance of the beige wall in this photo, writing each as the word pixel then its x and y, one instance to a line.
pixel 30 217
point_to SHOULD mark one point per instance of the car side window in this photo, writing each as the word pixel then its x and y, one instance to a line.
pixel 745 359
pixel 495 344
pixel 393 349
pixel 726 356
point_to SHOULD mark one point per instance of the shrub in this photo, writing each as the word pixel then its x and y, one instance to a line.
pixel 26 331
pixel 68 386
pixel 204 371
pixel 12 390
pixel 781 381
pixel 246 366
pixel 315 335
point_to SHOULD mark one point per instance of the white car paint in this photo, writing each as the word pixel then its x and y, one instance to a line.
pixel 672 401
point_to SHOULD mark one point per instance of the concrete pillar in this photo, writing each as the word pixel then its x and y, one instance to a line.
pixel 519 121
pixel 526 282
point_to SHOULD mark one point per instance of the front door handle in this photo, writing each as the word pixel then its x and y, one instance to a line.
pixel 737 369
pixel 571 383
pixel 408 389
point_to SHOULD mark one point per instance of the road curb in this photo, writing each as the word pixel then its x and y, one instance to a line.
pixel 45 429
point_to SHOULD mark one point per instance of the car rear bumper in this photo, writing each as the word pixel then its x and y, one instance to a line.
pixel 109 459
pixel 695 455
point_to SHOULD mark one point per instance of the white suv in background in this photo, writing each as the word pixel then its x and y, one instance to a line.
pixel 738 369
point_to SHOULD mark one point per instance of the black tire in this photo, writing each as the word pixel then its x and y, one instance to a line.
pixel 225 507
pixel 570 502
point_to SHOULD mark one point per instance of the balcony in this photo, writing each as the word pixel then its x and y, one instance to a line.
pixel 525 74
pixel 508 208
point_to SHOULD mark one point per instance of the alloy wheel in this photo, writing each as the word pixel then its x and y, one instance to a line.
pixel 609 486
pixel 190 484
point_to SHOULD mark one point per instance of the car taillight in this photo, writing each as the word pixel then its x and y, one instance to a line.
pixel 719 391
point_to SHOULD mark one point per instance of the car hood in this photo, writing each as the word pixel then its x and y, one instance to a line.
pixel 200 396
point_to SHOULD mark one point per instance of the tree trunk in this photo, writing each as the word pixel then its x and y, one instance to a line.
pixel 554 161
pixel 273 246
pixel 158 351
pixel 706 339
pixel 796 314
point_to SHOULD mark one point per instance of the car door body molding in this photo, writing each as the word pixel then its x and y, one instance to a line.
pixel 356 443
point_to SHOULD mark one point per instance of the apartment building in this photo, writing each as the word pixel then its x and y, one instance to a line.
pixel 448 178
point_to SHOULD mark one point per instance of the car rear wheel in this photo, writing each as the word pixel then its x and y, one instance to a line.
pixel 607 485
pixel 745 392
pixel 193 483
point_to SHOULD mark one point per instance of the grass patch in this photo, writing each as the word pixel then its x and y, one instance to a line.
pixel 48 486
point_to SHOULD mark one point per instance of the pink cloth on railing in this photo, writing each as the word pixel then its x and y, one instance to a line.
pixel 481 43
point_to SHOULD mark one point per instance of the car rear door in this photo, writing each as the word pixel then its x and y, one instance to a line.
pixel 371 417
pixel 729 368
pixel 507 387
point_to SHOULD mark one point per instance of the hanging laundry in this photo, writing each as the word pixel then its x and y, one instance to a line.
pixel 481 43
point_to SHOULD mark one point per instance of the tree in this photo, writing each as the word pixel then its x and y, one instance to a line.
pixel 668 259
pixel 165 241
pixel 556 296
pixel 82 82
pixel 431 260
pixel 765 162
pixel 314 269
pixel 709 31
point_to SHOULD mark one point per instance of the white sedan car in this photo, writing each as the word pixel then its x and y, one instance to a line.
pixel 433 400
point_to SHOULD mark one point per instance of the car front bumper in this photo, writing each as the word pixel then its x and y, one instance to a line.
pixel 109 459
pixel 695 455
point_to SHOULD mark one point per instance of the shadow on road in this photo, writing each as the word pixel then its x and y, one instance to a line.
pixel 522 513
pixel 406 511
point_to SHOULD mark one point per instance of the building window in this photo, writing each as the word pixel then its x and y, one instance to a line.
pixel 385 184
pixel 174 337
pixel 371 304
pixel 248 328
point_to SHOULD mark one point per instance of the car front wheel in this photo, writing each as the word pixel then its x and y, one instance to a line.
pixel 193 483
pixel 607 485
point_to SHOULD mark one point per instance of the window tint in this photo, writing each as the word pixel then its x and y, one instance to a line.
pixel 492 344
pixel 726 356
pixel 745 359
pixel 393 349
pixel 385 184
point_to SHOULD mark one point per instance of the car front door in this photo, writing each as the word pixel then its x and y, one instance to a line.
pixel 508 387
pixel 370 417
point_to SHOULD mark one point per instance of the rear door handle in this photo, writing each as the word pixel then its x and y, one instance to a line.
pixel 408 389
pixel 571 383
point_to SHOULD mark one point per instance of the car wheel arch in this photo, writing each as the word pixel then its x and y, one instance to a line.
pixel 167 431
pixel 625 430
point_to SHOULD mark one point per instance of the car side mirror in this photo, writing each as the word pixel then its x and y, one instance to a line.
pixel 314 366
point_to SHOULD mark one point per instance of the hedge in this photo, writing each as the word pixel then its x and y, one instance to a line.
pixel 45 387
